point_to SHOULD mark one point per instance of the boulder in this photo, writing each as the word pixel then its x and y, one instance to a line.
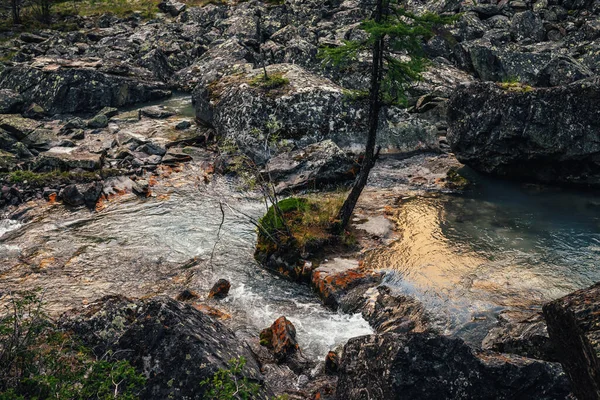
pixel 78 87
pixel 428 366
pixel 172 343
pixel 34 111
pixel 173 8
pixel 99 121
pixel 314 166
pixel 544 134
pixel 81 194
pixel 525 335
pixel 389 312
pixel 299 108
pixel 280 337
pixel 574 328
pixel 527 26
pixel 10 101
pixel 220 290
pixel 341 283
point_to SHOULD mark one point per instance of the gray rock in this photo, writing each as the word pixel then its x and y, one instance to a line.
pixel 428 366
pixel 152 149
pixel 183 125
pixel 319 164
pixel 303 109
pixel 174 344
pixel 173 8
pixel 157 112
pixel 527 26
pixel 34 111
pixel 99 121
pixel 81 194
pixel 545 134
pixel 10 101
pixel 61 90
pixel 526 336
pixel 573 325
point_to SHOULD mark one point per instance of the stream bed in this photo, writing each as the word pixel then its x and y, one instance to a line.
pixel 139 247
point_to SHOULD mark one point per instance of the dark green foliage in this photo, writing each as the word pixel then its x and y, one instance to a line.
pixel 229 384
pixel 40 361
pixel 403 60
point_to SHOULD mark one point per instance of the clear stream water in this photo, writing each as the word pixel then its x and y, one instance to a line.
pixel 500 246
pixel 140 247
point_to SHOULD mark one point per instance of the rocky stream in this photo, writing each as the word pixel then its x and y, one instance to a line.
pixel 475 246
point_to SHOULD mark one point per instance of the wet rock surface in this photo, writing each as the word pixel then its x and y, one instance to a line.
pixel 521 334
pixel 573 328
pixel 220 289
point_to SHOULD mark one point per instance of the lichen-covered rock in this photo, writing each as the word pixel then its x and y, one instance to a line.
pixel 172 343
pixel 428 366
pixel 299 108
pixel 341 283
pixel 64 87
pixel 574 328
pixel 281 338
pixel 546 134
pixel 10 101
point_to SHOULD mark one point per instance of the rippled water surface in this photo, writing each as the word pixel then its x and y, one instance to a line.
pixel 141 247
pixel 500 246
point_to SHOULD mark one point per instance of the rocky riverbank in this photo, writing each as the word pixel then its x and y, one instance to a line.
pixel 117 186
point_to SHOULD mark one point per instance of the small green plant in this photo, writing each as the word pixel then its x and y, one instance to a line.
pixel 229 384
pixel 56 177
pixel 355 95
pixel 269 82
pixel 40 361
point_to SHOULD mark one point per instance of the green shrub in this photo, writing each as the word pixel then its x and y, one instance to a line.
pixel 40 361
pixel 229 384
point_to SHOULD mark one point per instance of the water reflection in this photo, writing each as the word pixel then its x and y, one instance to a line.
pixel 501 246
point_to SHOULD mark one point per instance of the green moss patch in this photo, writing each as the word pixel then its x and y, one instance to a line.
pixel 57 177
pixel 269 82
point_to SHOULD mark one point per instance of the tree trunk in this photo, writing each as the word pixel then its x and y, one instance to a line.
pixel 347 208
pixel 15 11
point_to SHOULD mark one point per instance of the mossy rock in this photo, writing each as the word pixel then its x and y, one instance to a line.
pixel 282 246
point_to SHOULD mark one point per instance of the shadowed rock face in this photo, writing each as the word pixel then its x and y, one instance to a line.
pixel 573 325
pixel 544 134
pixel 427 366
pixel 173 344
pixel 72 89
